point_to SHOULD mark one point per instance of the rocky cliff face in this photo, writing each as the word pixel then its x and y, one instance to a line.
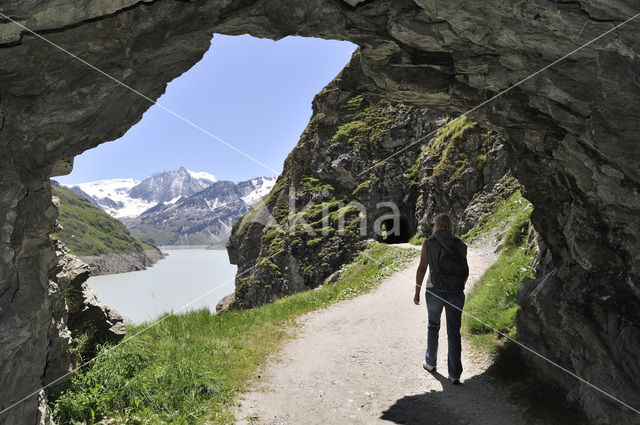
pixel 77 314
pixel 570 131
pixel 331 196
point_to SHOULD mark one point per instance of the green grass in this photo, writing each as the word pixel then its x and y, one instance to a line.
pixel 188 368
pixel 87 230
pixel 364 121
pixel 501 211
pixel 416 240
pixel 444 143
pixel 493 301
pixel 493 298
pixel 445 146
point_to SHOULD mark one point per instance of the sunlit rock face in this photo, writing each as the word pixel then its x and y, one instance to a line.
pixel 571 131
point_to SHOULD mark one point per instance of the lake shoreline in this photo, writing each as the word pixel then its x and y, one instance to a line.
pixel 114 263
pixel 180 247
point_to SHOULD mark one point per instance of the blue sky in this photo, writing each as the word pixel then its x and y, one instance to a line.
pixel 254 94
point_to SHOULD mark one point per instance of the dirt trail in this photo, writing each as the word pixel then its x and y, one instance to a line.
pixel 360 362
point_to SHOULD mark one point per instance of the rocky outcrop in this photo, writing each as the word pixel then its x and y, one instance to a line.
pixel 331 197
pixel 113 263
pixel 225 303
pixel 570 131
pixel 460 171
pixel 76 313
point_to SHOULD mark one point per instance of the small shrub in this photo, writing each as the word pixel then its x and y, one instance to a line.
pixel 415 240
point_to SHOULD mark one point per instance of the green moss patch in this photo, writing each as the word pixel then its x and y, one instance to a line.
pixel 364 122
pixel 444 145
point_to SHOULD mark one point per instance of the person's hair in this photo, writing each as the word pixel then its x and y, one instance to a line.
pixel 443 222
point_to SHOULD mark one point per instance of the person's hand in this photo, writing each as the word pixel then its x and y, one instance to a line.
pixel 416 299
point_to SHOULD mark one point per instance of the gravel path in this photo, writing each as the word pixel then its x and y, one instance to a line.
pixel 360 362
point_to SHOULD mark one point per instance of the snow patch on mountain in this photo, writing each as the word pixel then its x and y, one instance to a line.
pixel 263 186
pixel 166 185
pixel 215 203
pixel 113 196
pixel 202 175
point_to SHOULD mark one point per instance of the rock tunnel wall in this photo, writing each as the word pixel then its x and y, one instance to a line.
pixel 572 137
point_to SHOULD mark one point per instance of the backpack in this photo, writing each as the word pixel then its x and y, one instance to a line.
pixel 451 270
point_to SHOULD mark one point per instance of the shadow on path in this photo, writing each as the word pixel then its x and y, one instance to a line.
pixel 489 398
pixel 433 407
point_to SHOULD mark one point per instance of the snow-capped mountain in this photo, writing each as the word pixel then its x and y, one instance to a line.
pixel 129 197
pixel 170 185
pixel 180 207
pixel 203 218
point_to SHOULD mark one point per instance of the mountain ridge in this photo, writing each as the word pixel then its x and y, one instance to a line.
pixel 202 218
pixel 129 197
pixel 181 207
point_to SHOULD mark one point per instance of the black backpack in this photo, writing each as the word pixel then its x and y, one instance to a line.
pixel 451 270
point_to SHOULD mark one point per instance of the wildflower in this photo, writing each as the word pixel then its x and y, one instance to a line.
pixel 501 280
pixel 513 264
pixel 506 248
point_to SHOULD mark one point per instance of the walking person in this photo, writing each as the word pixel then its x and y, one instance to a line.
pixel 446 256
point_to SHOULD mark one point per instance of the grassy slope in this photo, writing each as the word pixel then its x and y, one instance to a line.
pixel 501 211
pixel 493 298
pixel 188 368
pixel 416 240
pixel 87 230
pixel 444 147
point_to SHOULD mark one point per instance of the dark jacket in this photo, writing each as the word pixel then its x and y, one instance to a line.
pixel 434 246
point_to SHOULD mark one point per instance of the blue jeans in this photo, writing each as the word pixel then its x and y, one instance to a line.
pixel 436 301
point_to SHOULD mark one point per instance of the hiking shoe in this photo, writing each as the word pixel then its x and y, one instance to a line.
pixel 428 367
pixel 454 381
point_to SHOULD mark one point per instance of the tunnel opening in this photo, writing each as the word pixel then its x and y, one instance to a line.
pixel 394 231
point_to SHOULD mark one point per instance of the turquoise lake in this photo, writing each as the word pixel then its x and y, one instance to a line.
pixel 188 279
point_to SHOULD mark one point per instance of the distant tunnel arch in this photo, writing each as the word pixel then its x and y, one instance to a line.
pixel 401 234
